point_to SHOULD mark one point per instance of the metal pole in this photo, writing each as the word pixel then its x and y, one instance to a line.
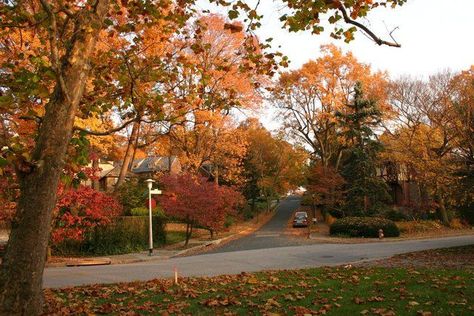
pixel 150 228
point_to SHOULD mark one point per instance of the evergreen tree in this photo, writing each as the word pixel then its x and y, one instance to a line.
pixel 366 192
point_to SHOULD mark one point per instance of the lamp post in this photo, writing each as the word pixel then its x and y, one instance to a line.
pixel 149 183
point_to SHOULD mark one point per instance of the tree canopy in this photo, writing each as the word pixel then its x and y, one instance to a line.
pixel 63 60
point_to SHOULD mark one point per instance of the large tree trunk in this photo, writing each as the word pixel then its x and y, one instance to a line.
pixel 443 214
pixel 189 232
pixel 216 174
pixel 96 167
pixel 127 160
pixel 21 274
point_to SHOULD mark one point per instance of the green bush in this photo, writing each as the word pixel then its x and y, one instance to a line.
pixel 139 211
pixel 143 211
pixel 364 227
pixel 336 213
pixel 466 212
pixel 132 194
pixel 246 211
pixel 395 215
pixel 124 235
pixel 307 200
pixel 229 221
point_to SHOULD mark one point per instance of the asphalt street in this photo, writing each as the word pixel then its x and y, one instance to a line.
pixel 266 249
pixel 239 261
pixel 270 235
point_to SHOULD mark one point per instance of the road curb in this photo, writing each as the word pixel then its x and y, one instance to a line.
pixel 205 245
pixel 113 261
pixel 89 262
pixel 230 237
pixel 348 241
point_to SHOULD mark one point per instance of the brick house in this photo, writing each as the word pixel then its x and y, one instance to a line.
pixel 405 191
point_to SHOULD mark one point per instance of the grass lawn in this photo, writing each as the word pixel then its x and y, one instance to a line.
pixel 173 237
pixel 331 291
pixel 176 233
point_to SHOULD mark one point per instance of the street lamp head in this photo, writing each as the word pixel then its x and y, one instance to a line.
pixel 149 182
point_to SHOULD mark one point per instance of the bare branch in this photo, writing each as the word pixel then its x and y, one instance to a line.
pixel 53 41
pixel 36 118
pixel 366 30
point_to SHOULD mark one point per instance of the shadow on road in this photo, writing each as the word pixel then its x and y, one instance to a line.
pixel 270 235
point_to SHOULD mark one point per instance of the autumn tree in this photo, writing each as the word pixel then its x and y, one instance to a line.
pixel 216 78
pixel 423 137
pixel 22 266
pixel 126 76
pixel 54 67
pixel 198 202
pixel 80 209
pixel 272 165
pixel 308 16
pixel 310 97
pixel 98 146
pixel 326 187
pixel 55 75
pixel 463 85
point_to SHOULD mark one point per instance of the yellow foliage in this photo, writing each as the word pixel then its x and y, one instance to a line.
pixel 418 226
pixel 456 223
pixel 329 219
pixel 101 144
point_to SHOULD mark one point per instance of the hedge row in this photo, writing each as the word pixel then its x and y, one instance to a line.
pixel 364 227
pixel 124 235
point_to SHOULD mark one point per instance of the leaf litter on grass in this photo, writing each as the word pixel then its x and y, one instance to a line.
pixel 320 291
pixel 398 287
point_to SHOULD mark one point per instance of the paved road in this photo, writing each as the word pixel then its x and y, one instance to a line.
pixel 271 234
pixel 249 261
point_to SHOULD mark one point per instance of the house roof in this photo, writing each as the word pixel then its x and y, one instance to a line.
pixel 115 172
pixel 153 164
pixel 144 165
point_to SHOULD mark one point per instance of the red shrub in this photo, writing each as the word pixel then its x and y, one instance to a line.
pixel 9 192
pixel 80 209
pixel 197 201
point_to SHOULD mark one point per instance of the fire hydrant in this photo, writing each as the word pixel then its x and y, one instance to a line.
pixel 380 233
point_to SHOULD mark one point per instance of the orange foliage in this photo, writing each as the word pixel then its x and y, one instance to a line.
pixel 310 97
pixel 216 79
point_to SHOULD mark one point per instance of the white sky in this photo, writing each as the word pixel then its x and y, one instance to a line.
pixel 435 35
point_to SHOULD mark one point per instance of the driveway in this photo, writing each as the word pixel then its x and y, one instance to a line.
pixel 293 257
pixel 270 235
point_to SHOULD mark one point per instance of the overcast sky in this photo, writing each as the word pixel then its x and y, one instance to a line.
pixel 434 34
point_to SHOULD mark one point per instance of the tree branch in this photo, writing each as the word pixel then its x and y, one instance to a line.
pixel 105 133
pixel 36 118
pixel 53 41
pixel 367 31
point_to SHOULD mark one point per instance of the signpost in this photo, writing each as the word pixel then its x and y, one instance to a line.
pixel 150 210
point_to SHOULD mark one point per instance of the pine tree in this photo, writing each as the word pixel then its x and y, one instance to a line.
pixel 366 192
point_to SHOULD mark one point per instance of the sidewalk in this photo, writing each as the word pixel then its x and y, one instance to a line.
pixel 313 255
pixel 143 256
pixel 195 246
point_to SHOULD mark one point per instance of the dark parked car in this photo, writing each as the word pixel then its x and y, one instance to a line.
pixel 300 219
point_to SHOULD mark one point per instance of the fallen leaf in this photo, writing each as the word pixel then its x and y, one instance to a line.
pixel 272 302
